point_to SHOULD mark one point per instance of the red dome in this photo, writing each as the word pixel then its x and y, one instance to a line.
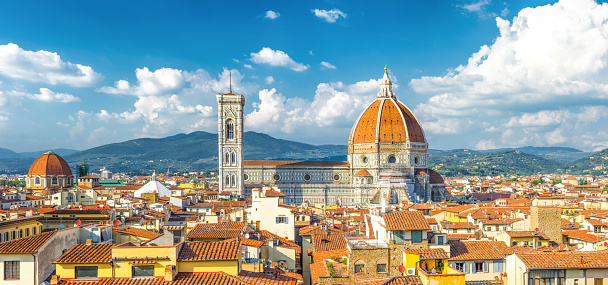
pixel 50 164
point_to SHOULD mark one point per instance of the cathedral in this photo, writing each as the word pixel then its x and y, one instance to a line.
pixel 387 159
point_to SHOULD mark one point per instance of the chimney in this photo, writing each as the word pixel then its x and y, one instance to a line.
pixel 54 279
pixel 89 241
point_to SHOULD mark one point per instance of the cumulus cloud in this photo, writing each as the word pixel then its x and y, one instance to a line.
pixel 47 95
pixel 272 14
pixel 45 67
pixel 335 106
pixel 276 58
pixel 330 16
pixel 548 57
pixel 269 79
pixel 328 65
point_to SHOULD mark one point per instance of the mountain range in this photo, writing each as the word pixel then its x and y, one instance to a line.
pixel 198 151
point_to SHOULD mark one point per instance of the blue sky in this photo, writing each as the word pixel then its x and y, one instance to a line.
pixel 478 74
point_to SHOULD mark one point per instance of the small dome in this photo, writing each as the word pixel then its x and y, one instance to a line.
pixel 387 120
pixel 50 164
pixel 435 178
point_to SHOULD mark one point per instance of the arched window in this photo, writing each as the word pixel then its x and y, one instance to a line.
pixel 359 266
pixel 37 181
pixel 54 181
pixel 233 158
pixel 381 266
pixel 229 130
pixel 417 160
pixel 227 180
pixel 233 180
pixel 227 160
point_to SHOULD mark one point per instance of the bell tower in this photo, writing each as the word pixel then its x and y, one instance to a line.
pixel 230 141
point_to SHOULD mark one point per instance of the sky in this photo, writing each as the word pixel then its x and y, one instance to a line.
pixel 478 74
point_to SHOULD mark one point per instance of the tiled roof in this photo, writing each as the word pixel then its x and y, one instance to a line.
pixel 462 225
pixel 585 236
pixel 526 234
pixel 429 253
pixel 477 250
pixel 318 267
pixel 91 253
pixel 49 164
pixel 505 221
pixel 459 209
pixel 484 282
pixel 310 230
pixel 329 242
pixel 398 280
pixel 206 278
pixel 575 259
pixel 363 172
pixel 406 220
pixel 135 232
pixel 217 230
pixel 29 244
pixel 203 250
pixel 252 242
pixel 283 242
pixel 261 278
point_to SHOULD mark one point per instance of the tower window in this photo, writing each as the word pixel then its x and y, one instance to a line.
pixel 54 181
pixel 233 158
pixel 233 182
pixel 37 181
pixel 227 180
pixel 229 130
pixel 417 160
pixel 227 160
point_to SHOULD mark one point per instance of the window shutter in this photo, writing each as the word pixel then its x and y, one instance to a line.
pixel 496 266
pixel 466 267
pixel 286 220
pixel 486 267
pixel 451 264
pixel 277 218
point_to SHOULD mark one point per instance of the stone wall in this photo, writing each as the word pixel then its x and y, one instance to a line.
pixel 548 220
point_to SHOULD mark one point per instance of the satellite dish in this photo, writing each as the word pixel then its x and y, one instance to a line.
pixel 247 236
pixel 401 268
pixel 61 226
pixel 78 222
pixel 116 222
pixel 537 229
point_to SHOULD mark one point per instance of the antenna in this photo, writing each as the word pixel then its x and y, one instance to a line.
pixel 230 81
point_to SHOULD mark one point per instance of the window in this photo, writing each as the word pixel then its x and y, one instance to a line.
pixel 364 160
pixel 459 266
pixel 20 233
pixel 489 229
pixel 469 231
pixel 307 177
pixel 281 220
pixel 575 281
pixel 440 240
pixel 454 231
pixel 143 271
pixel 417 160
pixel 13 235
pixel 336 177
pixel 504 229
pixel 233 158
pixel 514 243
pixel 86 271
pixel 54 181
pixel 276 177
pixel 392 159
pixel 227 160
pixel 598 281
pixel 34 230
pixel 359 266
pixel 245 177
pixel 11 270
pixel 229 130
pixel 540 243
pixel 480 267
pixel 37 181
pixel 5 236
pixel 381 266
pixel 416 236
pixel 498 266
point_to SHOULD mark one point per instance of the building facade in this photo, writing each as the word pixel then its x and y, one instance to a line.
pixel 387 159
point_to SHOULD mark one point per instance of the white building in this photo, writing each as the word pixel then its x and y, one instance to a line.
pixel 267 213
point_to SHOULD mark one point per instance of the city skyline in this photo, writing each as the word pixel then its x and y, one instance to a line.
pixel 477 74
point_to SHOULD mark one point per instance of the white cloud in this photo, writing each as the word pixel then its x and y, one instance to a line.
pixel 326 64
pixel 476 6
pixel 335 106
pixel 150 83
pixel 47 95
pixel 310 52
pixel 329 16
pixel 269 79
pixel 45 67
pixel 276 58
pixel 247 66
pixel 272 14
pixel 485 144
pixel 552 56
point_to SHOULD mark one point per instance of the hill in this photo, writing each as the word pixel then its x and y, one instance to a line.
pixel 596 164
pixel 468 162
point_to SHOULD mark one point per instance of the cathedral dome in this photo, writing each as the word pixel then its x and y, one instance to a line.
pixel 49 164
pixel 387 120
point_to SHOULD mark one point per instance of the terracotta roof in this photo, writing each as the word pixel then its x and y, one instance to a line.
pixel 429 253
pixel 329 242
pixel 252 242
pixel 262 278
pixel 575 259
pixel 459 209
pixel 363 172
pixel 526 234
pixel 585 235
pixel 397 124
pixel 217 230
pixel 283 242
pixel 91 253
pixel 272 193
pixel 135 232
pixel 318 267
pixel 310 230
pixel 406 220
pixel 504 221
pixel 477 250
pixel 50 164
pixel 462 225
pixel 206 278
pixel 204 250
pixel 29 244
pixel 292 163
pixel 435 178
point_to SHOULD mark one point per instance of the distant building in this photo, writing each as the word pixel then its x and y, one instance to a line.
pixel 49 172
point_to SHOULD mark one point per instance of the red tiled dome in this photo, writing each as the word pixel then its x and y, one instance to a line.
pixel 435 178
pixel 50 164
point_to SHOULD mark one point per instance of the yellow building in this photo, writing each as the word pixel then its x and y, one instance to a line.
pixel 454 214
pixel 523 238
pixel 19 228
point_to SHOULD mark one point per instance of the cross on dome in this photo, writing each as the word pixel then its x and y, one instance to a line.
pixel 386 86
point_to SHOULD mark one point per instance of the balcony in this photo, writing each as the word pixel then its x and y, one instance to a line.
pixel 448 276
